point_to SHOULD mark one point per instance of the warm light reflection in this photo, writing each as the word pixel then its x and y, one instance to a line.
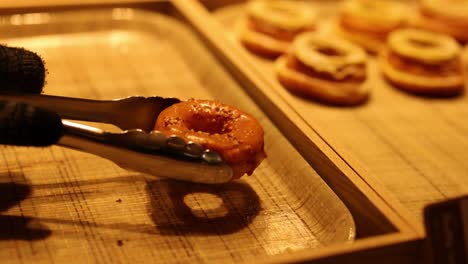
pixel 79 127
pixel 206 205
pixel 122 14
pixel 284 232
pixel 36 43
pixel 117 38
pixel 30 19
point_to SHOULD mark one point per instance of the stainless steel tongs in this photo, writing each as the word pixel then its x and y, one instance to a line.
pixel 136 147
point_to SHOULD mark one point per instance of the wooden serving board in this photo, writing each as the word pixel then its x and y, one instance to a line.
pixel 61 205
pixel 414 146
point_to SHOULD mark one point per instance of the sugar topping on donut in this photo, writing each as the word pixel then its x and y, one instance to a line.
pixel 234 134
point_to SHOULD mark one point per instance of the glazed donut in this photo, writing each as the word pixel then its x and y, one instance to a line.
pixel 270 26
pixel 235 135
pixel 368 22
pixel 444 16
pixel 423 62
pixel 325 68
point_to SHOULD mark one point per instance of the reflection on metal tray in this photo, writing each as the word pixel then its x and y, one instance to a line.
pixel 72 206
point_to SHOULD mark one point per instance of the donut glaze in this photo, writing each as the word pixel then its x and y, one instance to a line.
pixel 234 134
pixel 324 68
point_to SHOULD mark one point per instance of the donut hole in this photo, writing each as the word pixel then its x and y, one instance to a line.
pixel 329 51
pixel 205 205
pixel 211 125
pixel 420 43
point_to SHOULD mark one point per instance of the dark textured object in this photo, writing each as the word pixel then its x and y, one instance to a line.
pixel 21 70
pixel 26 125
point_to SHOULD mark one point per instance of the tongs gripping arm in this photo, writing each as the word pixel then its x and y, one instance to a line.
pixel 140 151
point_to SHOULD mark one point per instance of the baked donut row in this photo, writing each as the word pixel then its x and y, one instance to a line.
pixel 365 22
pixel 332 67
pixel 418 51
pixel 328 69
pixel 369 22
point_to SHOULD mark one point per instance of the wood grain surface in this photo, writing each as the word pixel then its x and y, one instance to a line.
pixel 61 205
pixel 414 146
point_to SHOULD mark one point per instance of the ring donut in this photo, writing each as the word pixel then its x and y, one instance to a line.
pixel 423 62
pixel 324 68
pixel 444 16
pixel 270 26
pixel 423 46
pixel 368 22
pixel 235 135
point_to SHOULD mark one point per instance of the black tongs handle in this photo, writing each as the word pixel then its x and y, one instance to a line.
pixel 26 125
pixel 23 71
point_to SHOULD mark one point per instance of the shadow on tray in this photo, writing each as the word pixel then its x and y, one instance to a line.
pixel 181 208
pixel 18 227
